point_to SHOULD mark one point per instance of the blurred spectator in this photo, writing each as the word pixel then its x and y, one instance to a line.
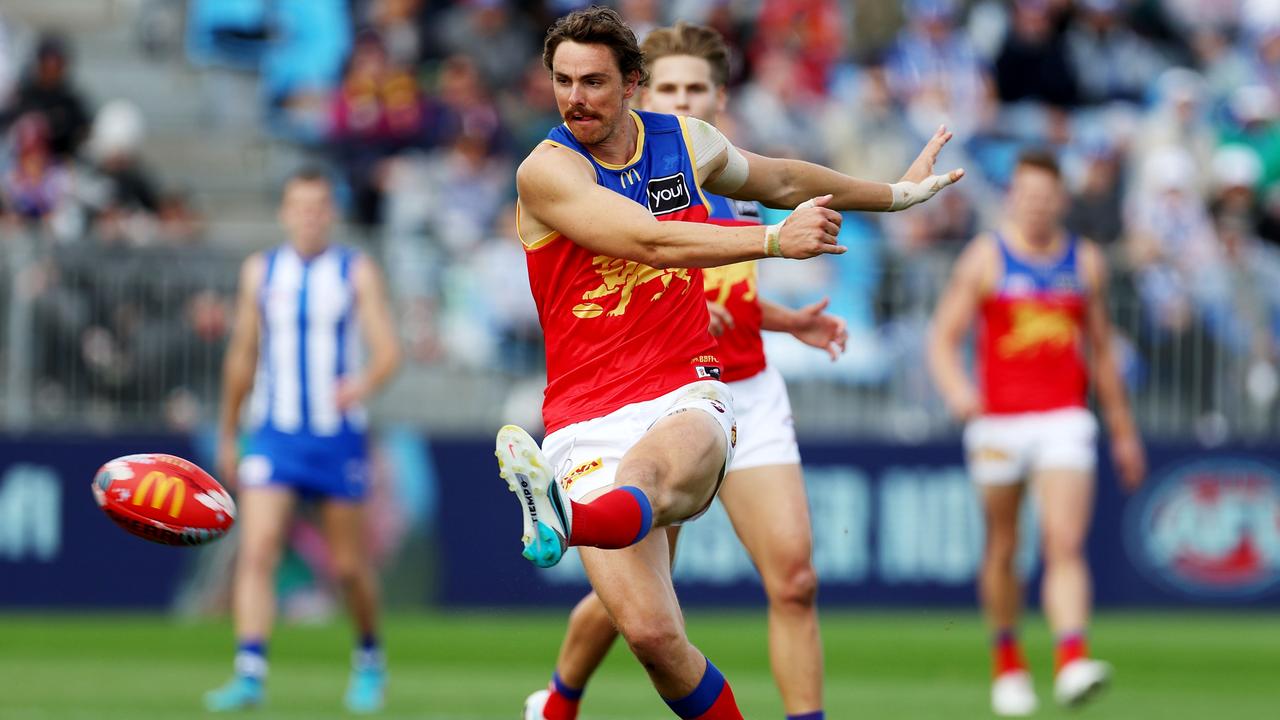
pixel 496 40
pixel 780 114
pixel 1096 210
pixel 1177 119
pixel 403 28
pixel 642 16
pixel 529 110
pixel 1033 63
pixel 1112 62
pixel 179 223
pixel 812 32
pixel 936 75
pixel 119 191
pixel 47 90
pixel 36 183
pixel 378 110
pixel 1181 269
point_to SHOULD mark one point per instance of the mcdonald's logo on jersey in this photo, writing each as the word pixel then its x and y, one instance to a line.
pixel 630 177
pixel 160 485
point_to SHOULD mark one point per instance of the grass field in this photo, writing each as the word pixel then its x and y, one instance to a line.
pixel 480 667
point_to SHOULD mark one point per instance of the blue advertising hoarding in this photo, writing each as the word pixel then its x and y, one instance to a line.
pixel 900 526
pixel 893 526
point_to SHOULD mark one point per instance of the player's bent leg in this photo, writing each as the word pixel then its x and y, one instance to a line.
pixel 263 519
pixel 1066 501
pixel 770 513
pixel 678 464
pixel 344 526
pixel 634 584
pixel 1012 694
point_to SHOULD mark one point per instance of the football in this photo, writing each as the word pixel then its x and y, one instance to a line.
pixel 164 499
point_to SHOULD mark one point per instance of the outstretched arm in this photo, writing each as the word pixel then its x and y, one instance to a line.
pixel 558 190
pixel 783 183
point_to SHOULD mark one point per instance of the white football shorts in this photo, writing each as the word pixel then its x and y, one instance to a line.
pixel 585 455
pixel 766 431
pixel 1005 449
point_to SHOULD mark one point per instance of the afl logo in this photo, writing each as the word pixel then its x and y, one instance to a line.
pixel 1209 529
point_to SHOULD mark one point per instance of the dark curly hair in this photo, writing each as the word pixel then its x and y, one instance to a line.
pixel 598 25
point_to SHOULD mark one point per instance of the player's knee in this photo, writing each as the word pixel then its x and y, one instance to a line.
pixel 796 586
pixel 346 570
pixel 1062 548
pixel 653 640
pixel 1000 548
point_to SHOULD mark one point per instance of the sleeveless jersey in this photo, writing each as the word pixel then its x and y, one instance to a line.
pixel 619 332
pixel 308 340
pixel 1030 351
pixel 733 287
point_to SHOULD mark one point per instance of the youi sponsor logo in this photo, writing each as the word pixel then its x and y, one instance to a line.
pixel 1209 528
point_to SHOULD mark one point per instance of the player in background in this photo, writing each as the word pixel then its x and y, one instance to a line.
pixel 688 73
pixel 639 426
pixel 1039 294
pixel 302 310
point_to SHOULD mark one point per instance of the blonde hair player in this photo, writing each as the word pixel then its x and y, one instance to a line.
pixel 688 73
pixel 640 429
pixel 1039 294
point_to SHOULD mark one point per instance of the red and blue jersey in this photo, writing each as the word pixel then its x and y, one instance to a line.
pixel 1030 340
pixel 733 287
pixel 619 332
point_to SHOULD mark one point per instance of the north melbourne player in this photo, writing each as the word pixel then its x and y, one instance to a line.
pixel 640 428
pixel 1039 296
pixel 302 311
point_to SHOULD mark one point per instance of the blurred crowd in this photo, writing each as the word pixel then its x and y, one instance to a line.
pixel 1165 115
pixel 103 245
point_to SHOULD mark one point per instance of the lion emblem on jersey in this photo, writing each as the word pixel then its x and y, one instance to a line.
pixel 621 278
pixel 724 279
pixel 1034 327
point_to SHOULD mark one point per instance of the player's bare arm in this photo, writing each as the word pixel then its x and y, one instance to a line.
pixel 810 325
pixel 558 194
pixel 785 183
pixel 957 308
pixel 1126 444
pixel 238 366
pixel 374 314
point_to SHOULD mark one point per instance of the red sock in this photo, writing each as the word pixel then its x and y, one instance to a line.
pixel 1071 646
pixel 619 518
pixel 725 707
pixel 1007 654
pixel 562 703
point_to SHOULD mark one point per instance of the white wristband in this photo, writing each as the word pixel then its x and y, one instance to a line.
pixel 773 239
pixel 907 193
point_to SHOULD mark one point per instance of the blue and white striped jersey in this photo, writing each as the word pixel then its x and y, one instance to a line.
pixel 308 341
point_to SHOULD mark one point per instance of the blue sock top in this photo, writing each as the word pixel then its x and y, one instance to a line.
pixel 703 697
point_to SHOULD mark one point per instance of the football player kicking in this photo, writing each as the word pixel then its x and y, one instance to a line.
pixel 634 404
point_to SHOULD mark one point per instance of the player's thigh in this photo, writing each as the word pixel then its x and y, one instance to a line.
pixel 634 584
pixel 1001 504
pixel 263 515
pixel 770 512
pixel 344 529
pixel 685 452
pixel 1065 500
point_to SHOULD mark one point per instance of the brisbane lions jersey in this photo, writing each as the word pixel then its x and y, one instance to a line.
pixel 1030 345
pixel 733 287
pixel 619 332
